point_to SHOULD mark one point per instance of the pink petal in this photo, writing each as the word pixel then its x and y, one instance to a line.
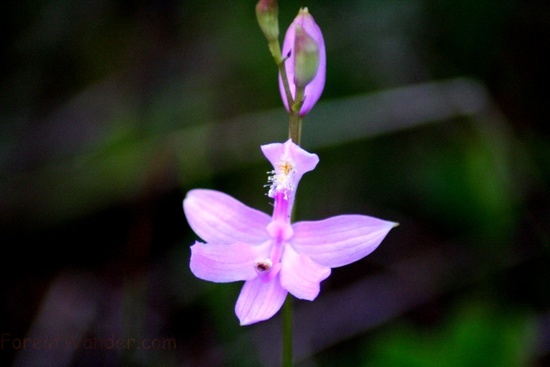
pixel 217 217
pixel 301 276
pixel 340 240
pixel 226 263
pixel 259 300
pixel 314 89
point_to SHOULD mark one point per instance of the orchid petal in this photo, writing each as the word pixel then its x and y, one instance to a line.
pixel 217 217
pixel 223 263
pixel 301 276
pixel 339 240
pixel 314 89
pixel 259 300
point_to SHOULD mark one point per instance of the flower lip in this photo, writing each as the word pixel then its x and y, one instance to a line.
pixel 289 162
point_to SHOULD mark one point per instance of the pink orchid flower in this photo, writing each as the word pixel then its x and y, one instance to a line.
pixel 313 89
pixel 273 256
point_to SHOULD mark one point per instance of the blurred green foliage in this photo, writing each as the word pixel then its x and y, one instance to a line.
pixel 474 333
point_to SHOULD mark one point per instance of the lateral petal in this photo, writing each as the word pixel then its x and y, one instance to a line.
pixel 259 300
pixel 218 217
pixel 301 276
pixel 339 240
pixel 222 263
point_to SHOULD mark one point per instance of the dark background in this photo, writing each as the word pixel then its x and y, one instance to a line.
pixel 434 114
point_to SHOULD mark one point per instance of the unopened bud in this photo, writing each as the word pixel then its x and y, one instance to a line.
pixel 267 12
pixel 306 66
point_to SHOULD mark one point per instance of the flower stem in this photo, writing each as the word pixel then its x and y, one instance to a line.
pixel 287 332
pixel 275 49
pixel 295 125
pixel 295 128
pixel 295 132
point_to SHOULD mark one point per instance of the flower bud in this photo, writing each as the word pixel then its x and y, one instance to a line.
pixel 302 37
pixel 306 57
pixel 267 14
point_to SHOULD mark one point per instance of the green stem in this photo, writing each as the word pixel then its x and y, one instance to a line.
pixel 295 132
pixel 295 123
pixel 295 128
pixel 286 85
pixel 275 49
pixel 287 332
